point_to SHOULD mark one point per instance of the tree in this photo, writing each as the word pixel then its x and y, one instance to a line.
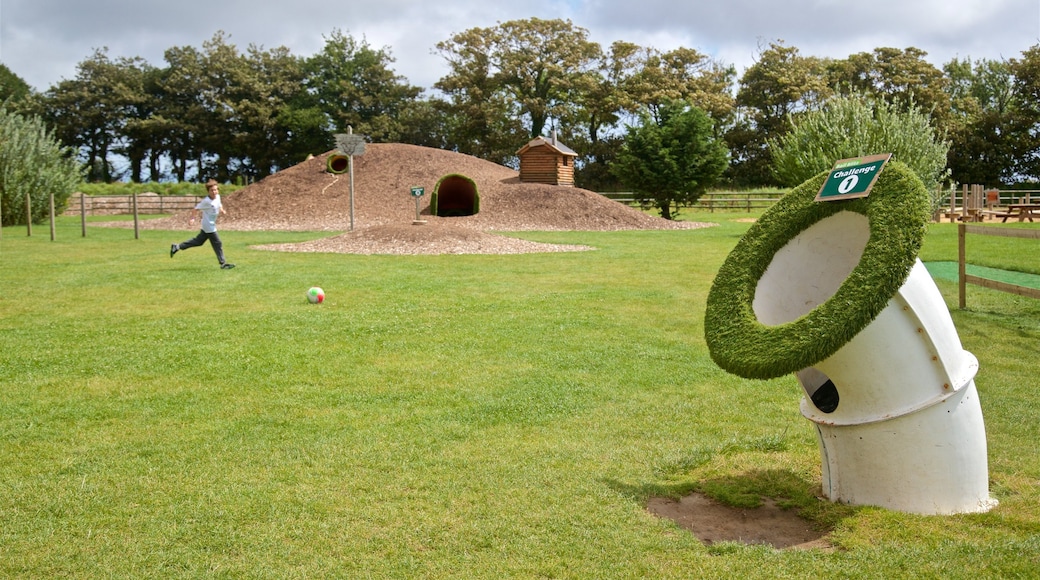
pixel 682 74
pixel 277 123
pixel 13 88
pixel 481 119
pixel 849 127
pixel 90 111
pixel 355 86
pixel 673 159
pixel 528 69
pixel 780 83
pixel 1027 88
pixel 984 117
pixel 33 163
pixel 899 77
pixel 180 120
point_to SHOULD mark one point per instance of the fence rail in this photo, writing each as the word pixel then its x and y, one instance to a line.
pixel 963 278
pixel 147 203
pixel 972 203
pixel 721 200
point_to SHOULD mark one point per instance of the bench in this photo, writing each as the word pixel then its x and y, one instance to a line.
pixel 1000 214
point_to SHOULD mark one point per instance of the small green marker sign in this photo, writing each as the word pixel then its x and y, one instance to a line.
pixel 418 192
pixel 852 178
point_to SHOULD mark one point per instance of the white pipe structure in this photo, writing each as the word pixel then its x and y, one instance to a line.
pixel 834 293
pixel 896 410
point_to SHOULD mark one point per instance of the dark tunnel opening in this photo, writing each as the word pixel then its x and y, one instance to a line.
pixel 457 196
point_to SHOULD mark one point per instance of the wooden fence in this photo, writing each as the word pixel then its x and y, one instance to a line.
pixel 964 279
pixel 720 200
pixel 147 203
pixel 972 203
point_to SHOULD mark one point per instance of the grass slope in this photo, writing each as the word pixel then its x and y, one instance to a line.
pixel 437 416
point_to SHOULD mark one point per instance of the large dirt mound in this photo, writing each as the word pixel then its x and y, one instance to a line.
pixel 306 197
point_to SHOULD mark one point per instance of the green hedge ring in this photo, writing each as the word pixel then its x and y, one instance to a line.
pixel 337 163
pixel 898 212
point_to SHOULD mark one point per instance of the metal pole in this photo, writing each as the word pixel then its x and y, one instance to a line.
pixel 52 217
pixel 83 213
pixel 28 215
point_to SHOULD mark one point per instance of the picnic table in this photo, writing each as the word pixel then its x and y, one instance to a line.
pixel 1023 211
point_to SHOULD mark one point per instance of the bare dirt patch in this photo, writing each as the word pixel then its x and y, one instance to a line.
pixel 306 197
pixel 712 522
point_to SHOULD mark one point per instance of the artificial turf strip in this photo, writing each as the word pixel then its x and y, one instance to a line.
pixel 898 212
pixel 948 271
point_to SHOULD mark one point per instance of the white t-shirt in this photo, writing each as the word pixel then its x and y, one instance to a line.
pixel 210 209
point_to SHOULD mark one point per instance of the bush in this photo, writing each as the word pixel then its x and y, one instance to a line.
pixel 33 163
pixel 162 188
pixel 854 126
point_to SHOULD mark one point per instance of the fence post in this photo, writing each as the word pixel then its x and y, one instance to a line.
pixel 961 268
pixel 134 199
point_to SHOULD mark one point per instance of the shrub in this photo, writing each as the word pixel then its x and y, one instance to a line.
pixel 34 163
pixel 162 188
pixel 855 126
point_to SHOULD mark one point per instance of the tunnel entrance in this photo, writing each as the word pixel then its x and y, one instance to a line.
pixel 455 195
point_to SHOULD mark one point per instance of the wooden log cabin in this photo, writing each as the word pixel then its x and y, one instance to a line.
pixel 546 160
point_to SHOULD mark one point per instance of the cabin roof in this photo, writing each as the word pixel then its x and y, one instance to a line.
pixel 550 143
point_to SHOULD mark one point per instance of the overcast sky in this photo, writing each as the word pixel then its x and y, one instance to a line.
pixel 42 40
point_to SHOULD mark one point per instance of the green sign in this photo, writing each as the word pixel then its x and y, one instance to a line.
pixel 418 192
pixel 852 178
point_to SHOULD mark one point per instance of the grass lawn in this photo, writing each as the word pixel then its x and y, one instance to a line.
pixel 440 416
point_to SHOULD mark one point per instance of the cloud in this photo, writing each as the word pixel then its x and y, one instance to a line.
pixel 43 40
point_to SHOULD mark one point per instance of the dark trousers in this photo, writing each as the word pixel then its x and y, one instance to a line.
pixel 214 240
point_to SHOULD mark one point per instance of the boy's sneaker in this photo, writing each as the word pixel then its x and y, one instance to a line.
pixel 227 266
pixel 173 249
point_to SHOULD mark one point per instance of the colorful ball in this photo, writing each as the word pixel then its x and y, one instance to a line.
pixel 316 295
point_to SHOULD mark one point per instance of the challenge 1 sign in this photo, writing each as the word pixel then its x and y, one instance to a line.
pixel 852 178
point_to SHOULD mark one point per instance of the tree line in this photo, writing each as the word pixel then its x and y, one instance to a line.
pixel 220 112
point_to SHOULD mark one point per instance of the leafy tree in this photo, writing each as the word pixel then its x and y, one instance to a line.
pixel 1027 125
pixel 90 111
pixel 180 119
pixel 355 86
pixel 598 110
pixel 853 126
pixel 672 159
pixel 780 83
pixel 234 114
pixel 481 119
pixel 682 74
pixel 900 77
pixel 984 116
pixel 34 163
pixel 542 64
pixel 277 123
pixel 532 69
pixel 13 89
